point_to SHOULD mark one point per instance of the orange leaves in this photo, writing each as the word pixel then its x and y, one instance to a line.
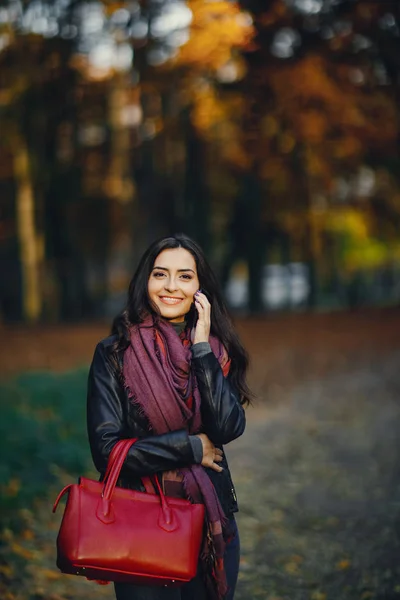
pixel 110 6
pixel 347 148
pixel 343 564
pixel 314 94
pixel 302 81
pixel 320 109
pixel 312 126
pixel 317 91
pixel 207 109
pixel 217 29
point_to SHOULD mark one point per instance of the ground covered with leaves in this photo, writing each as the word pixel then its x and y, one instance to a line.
pixel 316 472
pixel 319 484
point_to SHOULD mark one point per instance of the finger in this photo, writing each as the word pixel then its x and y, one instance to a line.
pixel 198 302
pixel 202 299
pixel 218 458
pixel 201 295
pixel 199 306
pixel 218 452
pixel 216 467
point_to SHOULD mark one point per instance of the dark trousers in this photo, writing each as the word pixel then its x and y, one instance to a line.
pixel 194 590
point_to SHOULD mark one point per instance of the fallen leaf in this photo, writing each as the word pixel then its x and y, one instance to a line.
pixel 21 551
pixel 343 564
pixel 317 595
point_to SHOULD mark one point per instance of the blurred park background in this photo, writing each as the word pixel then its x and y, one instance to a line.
pixel 269 131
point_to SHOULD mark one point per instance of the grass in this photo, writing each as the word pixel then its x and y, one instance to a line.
pixel 42 435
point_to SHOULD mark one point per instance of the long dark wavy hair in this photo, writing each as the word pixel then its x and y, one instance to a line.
pixel 139 306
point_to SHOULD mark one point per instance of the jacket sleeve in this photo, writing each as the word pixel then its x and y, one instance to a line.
pixel 223 416
pixel 106 425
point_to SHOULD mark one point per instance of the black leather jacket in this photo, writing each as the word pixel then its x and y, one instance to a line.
pixel 111 417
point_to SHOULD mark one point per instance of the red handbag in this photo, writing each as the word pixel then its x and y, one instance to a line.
pixel 117 534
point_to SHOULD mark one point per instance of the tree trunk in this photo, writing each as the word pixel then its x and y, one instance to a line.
pixel 196 193
pixel 30 245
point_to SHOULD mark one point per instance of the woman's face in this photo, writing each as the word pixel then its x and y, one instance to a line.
pixel 172 283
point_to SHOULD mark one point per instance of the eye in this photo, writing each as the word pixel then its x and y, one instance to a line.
pixel 187 277
pixel 158 274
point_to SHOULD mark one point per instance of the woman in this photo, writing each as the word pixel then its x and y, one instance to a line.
pixel 173 375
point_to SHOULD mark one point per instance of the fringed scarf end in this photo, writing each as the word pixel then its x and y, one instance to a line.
pixel 133 400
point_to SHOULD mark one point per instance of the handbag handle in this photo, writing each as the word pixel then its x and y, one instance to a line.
pixel 105 512
pixel 117 460
pixel 111 459
pixel 146 480
pixel 114 453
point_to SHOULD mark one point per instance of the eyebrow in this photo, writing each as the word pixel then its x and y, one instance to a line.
pixel 179 270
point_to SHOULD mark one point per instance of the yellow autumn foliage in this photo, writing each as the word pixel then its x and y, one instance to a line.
pixel 217 29
pixel 348 221
pixel 207 110
pixel 344 564
pixel 318 595
pixel 371 254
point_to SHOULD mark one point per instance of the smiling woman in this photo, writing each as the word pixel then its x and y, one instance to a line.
pixel 173 283
pixel 173 375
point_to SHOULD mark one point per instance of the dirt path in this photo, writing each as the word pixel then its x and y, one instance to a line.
pixel 318 483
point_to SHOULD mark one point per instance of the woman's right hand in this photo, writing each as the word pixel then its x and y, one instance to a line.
pixel 211 454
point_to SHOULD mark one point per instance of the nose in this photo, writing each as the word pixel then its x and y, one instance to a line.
pixel 170 285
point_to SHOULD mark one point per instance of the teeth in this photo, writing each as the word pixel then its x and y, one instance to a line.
pixel 171 300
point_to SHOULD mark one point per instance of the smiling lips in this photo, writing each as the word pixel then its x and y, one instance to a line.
pixel 170 300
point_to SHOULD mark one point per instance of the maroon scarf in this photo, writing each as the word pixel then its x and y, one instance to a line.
pixel 159 379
